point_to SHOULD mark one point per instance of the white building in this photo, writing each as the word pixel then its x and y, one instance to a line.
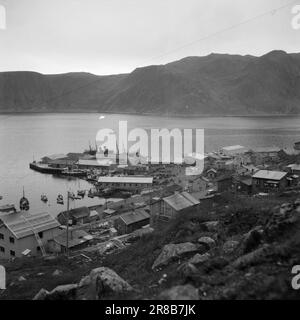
pixel 132 183
pixel 24 232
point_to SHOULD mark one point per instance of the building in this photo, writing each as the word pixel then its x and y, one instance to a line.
pixel 177 203
pixel 211 173
pixel 79 215
pixel 22 232
pixel 77 240
pixel 243 184
pixel 265 180
pixel 294 168
pixel 92 164
pixel 233 150
pixel 132 183
pixel 224 182
pixel 262 154
pixel 131 221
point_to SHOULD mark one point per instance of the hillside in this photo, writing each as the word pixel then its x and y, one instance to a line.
pixel 217 84
pixel 245 248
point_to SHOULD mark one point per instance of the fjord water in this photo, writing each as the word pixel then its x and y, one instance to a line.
pixel 24 137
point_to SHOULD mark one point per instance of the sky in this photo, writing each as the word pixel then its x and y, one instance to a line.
pixel 117 36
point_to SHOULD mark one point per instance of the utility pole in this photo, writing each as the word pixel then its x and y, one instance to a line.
pixel 68 208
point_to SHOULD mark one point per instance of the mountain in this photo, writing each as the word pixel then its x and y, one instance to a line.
pixel 217 84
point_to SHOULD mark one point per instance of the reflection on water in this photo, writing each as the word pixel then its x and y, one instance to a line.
pixel 26 137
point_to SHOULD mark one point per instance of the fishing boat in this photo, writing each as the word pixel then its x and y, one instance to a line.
pixel 81 193
pixel 24 203
pixel 60 199
pixel 44 198
pixel 1 197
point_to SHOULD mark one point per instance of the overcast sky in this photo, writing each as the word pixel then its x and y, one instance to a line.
pixel 116 36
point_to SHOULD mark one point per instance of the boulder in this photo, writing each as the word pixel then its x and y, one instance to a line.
pixel 199 258
pixel 63 292
pixel 186 292
pixel 207 241
pixel 211 225
pixel 21 278
pixel 172 252
pixel 251 258
pixel 41 295
pixel 57 273
pixel 186 269
pixel 103 282
pixel 251 240
pixel 230 246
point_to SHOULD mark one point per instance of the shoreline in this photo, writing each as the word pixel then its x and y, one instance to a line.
pixel 150 114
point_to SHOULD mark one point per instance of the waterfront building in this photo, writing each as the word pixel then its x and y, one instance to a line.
pixel 132 183
pixel 265 180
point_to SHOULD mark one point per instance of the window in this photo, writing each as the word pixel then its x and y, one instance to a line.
pixel 38 248
pixel 2 249
pixel 1 236
pixel 11 240
pixel 41 234
pixel 12 253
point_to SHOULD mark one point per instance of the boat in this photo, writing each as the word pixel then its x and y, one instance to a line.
pixel 24 203
pixel 60 199
pixel 1 197
pixel 81 193
pixel 44 198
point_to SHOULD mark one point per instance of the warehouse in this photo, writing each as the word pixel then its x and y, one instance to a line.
pixel 132 183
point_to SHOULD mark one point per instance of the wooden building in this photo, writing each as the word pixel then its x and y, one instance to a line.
pixel 131 221
pixel 267 181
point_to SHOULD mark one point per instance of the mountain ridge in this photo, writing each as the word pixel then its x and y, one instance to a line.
pixel 216 84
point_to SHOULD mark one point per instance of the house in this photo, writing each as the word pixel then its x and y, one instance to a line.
pixel 224 182
pixel 175 204
pixel 61 163
pixel 132 183
pixel 79 215
pixel 53 157
pixel 243 184
pixel 265 180
pixel 131 221
pixel 77 240
pixel 294 168
pixel 262 154
pixel 23 231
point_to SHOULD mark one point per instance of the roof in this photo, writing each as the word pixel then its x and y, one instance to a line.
pixel 76 237
pixel 93 163
pixel 294 166
pixel 180 201
pixel 265 149
pixel 55 156
pixel 269 175
pixel 134 216
pixel 62 161
pixel 291 151
pixel 134 179
pixel 109 211
pixel 233 148
pixel 23 224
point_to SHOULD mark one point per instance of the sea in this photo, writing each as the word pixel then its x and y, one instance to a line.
pixel 28 137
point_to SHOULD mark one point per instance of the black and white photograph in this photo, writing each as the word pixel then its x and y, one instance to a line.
pixel 149 151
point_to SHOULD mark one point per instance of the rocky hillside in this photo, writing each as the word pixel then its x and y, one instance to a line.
pixel 217 84
pixel 240 248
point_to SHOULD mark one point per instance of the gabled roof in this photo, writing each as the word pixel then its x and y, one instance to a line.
pixel 76 237
pixel 179 201
pixel 269 175
pixel 134 216
pixel 23 224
